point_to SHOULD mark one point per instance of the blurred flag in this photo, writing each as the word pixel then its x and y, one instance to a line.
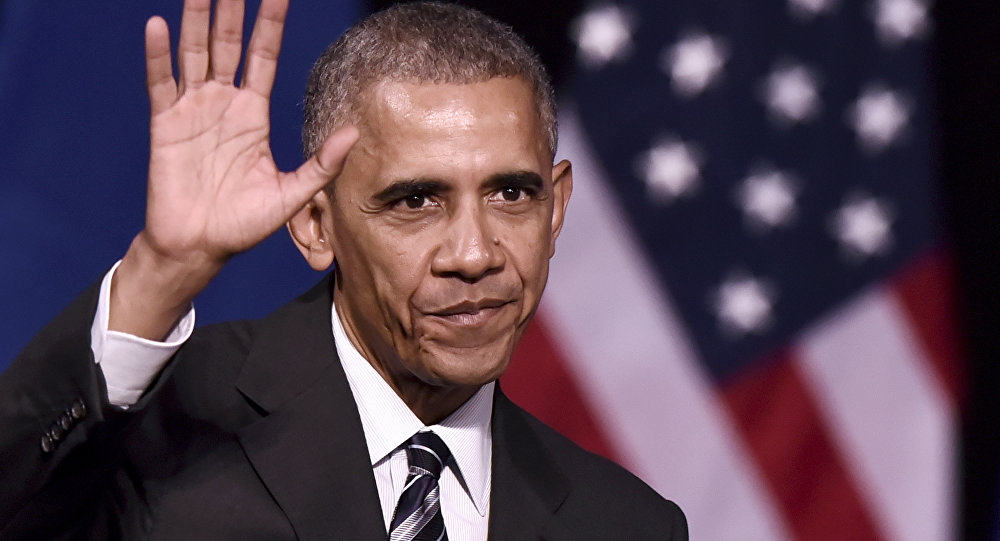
pixel 750 306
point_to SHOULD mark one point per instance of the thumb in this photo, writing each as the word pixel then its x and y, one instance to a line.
pixel 323 166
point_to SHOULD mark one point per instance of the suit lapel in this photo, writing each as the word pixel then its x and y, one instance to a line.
pixel 528 486
pixel 309 448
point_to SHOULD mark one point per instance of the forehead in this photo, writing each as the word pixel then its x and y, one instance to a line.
pixel 485 121
pixel 406 98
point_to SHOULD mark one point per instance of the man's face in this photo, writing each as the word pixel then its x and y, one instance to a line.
pixel 443 222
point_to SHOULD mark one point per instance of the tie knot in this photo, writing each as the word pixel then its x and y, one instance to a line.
pixel 426 450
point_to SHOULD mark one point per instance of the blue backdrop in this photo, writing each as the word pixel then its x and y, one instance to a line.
pixel 74 146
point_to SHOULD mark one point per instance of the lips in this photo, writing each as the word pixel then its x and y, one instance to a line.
pixel 469 307
pixel 471 314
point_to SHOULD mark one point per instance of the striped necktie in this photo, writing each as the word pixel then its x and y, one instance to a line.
pixel 418 512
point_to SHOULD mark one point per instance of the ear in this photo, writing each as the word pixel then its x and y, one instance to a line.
pixel 562 189
pixel 311 229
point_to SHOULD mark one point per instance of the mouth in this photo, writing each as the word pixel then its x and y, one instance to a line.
pixel 471 313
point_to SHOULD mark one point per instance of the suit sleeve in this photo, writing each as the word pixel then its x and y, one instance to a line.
pixel 678 523
pixel 53 400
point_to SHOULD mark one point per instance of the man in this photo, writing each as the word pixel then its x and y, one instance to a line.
pixel 367 408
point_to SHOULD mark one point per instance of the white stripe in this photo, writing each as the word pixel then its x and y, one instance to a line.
pixel 635 364
pixel 414 477
pixel 887 415
pixel 429 450
pixel 419 518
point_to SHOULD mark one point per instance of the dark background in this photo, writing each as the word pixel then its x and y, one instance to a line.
pixel 967 70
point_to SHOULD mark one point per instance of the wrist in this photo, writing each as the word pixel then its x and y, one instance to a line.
pixel 151 290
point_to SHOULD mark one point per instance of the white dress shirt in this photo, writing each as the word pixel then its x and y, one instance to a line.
pixel 388 423
pixel 130 363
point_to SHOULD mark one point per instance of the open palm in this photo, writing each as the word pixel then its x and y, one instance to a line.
pixel 214 189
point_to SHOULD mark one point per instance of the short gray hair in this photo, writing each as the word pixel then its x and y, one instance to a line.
pixel 421 42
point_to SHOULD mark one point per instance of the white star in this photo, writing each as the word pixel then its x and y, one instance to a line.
pixel 670 169
pixel 744 304
pixel 807 9
pixel 603 34
pixel 791 93
pixel 900 20
pixel 767 198
pixel 879 116
pixel 694 63
pixel 863 225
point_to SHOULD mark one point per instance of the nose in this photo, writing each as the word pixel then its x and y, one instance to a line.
pixel 469 249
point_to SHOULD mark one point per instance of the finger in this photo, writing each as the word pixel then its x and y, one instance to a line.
pixel 192 50
pixel 265 44
pixel 159 73
pixel 321 169
pixel 226 40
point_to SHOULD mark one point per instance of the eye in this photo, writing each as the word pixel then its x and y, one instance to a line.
pixel 513 196
pixel 511 193
pixel 415 201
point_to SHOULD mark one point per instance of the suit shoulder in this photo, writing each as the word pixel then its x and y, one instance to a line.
pixel 216 350
pixel 602 473
pixel 606 495
pixel 228 336
pixel 201 377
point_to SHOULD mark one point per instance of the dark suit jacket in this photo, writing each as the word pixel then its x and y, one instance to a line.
pixel 251 432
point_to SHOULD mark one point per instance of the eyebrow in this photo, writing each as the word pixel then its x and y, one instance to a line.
pixel 515 179
pixel 510 179
pixel 402 188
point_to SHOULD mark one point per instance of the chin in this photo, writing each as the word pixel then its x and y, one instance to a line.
pixel 466 367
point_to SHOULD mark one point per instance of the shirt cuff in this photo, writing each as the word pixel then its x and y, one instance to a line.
pixel 129 362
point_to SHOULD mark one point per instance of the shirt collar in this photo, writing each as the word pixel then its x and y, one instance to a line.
pixel 388 422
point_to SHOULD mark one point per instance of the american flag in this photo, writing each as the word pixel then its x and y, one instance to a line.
pixel 750 304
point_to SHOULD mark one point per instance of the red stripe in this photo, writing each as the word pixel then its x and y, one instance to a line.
pixel 925 290
pixel 539 382
pixel 780 425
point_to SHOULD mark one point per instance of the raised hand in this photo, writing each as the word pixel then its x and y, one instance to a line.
pixel 214 189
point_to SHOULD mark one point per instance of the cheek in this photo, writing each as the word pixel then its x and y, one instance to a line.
pixel 397 266
pixel 528 248
pixel 380 269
